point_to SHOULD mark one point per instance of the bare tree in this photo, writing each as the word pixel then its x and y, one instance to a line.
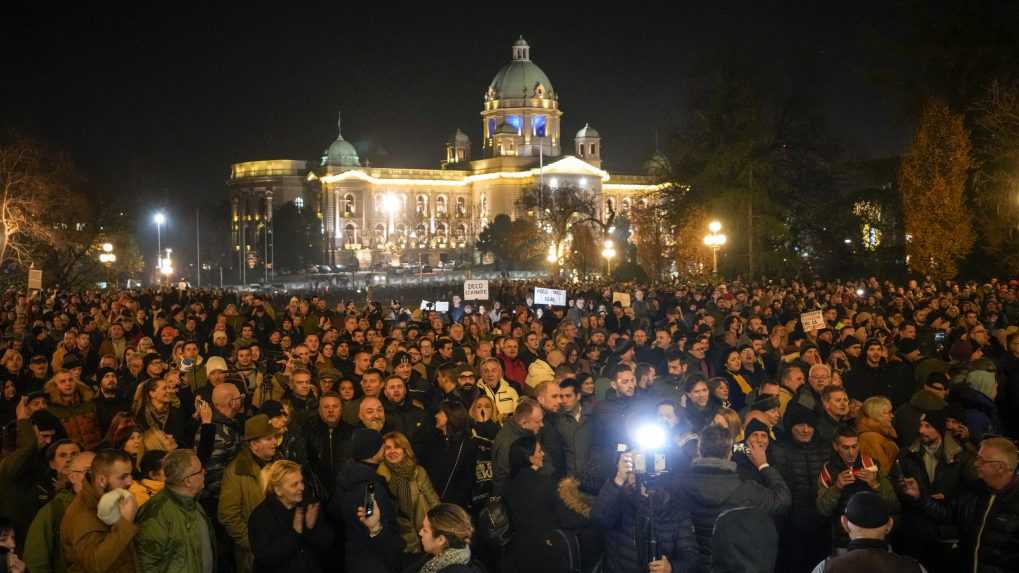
pixel 560 210
pixel 32 181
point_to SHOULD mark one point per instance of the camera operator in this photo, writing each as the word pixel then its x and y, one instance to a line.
pixel 644 527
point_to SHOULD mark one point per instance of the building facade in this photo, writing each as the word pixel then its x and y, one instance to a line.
pixel 385 216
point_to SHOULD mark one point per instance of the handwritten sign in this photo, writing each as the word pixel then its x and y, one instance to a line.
pixel 35 280
pixel 442 306
pixel 476 290
pixel 813 320
pixel 622 297
pixel 554 297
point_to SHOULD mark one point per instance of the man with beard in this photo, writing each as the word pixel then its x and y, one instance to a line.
pixel 88 543
pixel 404 416
pixel 109 400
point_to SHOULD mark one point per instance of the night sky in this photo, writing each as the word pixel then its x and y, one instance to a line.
pixel 156 105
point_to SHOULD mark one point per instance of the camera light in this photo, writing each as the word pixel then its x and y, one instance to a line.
pixel 650 436
pixel 859 292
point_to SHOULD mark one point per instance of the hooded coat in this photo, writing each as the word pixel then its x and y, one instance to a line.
pixel 78 415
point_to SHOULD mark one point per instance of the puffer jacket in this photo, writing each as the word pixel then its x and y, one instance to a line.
pixel 405 418
pixel 878 442
pixel 800 464
pixel 711 486
pixel 623 515
pixel 326 449
pixel 170 532
pixel 79 417
pixel 989 522
pixel 366 554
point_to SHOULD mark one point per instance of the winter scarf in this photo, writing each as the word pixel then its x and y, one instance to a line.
pixel 399 484
pixel 448 557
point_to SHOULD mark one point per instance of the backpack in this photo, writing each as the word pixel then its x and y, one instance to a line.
pixel 493 522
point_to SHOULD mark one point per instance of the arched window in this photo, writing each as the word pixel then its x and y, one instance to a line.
pixel 421 231
pixel 460 232
pixel 441 231
pixel 348 205
pixel 380 233
pixel 401 231
pixel 626 205
pixel 421 206
pixel 440 205
pixel 642 204
pixel 350 234
pixel 461 207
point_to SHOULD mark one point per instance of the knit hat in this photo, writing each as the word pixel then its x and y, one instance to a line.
pixel 756 425
pixel 744 541
pixel 215 363
pixel 623 347
pixel 797 413
pixel 365 443
pixel 272 409
pixel 109 505
pixel 955 411
pixel 102 372
pixel 71 361
pixel 45 421
pixel 866 509
pixel 149 359
pixel 872 342
pixel 936 418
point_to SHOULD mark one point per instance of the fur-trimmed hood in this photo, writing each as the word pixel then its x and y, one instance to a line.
pixel 578 501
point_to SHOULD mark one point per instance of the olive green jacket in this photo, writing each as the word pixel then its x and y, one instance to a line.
pixel 169 534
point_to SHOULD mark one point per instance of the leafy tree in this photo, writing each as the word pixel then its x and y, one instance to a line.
pixel 932 180
pixel 996 177
pixel 513 244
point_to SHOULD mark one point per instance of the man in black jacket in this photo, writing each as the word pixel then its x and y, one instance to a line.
pixel 327 437
pixel 867 521
pixel 401 413
pixel 373 544
pixel 711 486
pixel 799 457
pixel 987 518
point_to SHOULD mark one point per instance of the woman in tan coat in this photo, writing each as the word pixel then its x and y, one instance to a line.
pixel 410 487
pixel 877 436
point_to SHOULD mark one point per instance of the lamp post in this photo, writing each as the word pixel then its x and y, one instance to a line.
pixel 159 218
pixel 714 239
pixel 107 258
pixel 608 252
pixel 391 205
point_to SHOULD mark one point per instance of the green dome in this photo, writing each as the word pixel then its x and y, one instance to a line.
pixel 519 78
pixel 340 153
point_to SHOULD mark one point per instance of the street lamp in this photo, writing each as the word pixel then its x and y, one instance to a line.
pixel 608 252
pixel 159 218
pixel 715 240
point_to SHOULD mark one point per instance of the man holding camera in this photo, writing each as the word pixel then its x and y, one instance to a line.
pixel 712 486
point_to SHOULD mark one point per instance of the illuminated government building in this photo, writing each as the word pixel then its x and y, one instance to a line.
pixel 371 215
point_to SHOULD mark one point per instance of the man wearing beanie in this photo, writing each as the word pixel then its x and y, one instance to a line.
pixel 799 456
pixel 868 524
pixel 373 543
pixel 109 400
pixel 941 467
pixel 869 377
pixel 900 371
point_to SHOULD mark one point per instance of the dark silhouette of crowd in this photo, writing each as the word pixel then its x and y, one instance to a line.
pixel 695 428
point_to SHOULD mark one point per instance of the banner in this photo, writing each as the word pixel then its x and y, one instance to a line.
pixel 813 320
pixel 476 290
pixel 550 296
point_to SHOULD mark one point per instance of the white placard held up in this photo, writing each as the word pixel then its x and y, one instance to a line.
pixel 554 297
pixel 442 306
pixel 476 289
pixel 426 305
pixel 813 320
pixel 622 297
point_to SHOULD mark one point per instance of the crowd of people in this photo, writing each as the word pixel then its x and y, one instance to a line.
pixel 680 427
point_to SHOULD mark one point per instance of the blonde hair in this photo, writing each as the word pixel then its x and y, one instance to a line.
pixel 273 474
pixel 496 415
pixel 873 405
pixel 401 442
pixel 1006 448
pixel 155 439
pixel 452 522
pixel 733 422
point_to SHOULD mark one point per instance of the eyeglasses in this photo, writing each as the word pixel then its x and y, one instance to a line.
pixel 981 461
pixel 191 475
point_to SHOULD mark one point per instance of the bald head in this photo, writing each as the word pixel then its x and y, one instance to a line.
pixel 225 399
